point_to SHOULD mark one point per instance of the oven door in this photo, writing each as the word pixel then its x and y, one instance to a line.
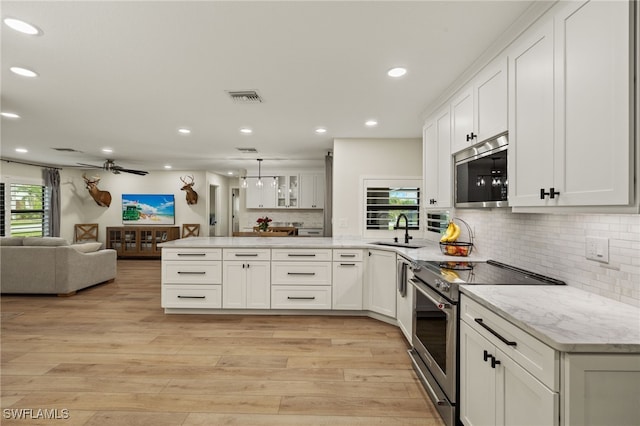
pixel 434 335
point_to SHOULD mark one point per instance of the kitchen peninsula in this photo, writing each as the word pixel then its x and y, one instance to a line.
pixel 563 345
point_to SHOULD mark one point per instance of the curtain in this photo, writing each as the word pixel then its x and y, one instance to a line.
pixel 328 195
pixel 52 183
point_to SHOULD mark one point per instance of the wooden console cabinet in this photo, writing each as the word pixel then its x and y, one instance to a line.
pixel 140 241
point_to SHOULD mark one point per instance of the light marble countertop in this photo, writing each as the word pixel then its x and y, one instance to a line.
pixel 566 318
pixel 431 250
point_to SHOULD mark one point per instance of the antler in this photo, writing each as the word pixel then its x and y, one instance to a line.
pixel 185 182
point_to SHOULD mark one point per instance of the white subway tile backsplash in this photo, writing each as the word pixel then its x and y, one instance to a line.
pixel 554 245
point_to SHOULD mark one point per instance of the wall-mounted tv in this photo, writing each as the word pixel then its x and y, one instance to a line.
pixel 148 209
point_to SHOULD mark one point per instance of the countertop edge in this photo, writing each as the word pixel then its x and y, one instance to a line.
pixel 576 347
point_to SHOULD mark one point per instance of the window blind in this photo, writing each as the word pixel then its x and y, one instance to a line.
pixel 385 204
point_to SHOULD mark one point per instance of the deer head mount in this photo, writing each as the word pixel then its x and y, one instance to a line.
pixel 102 198
pixel 192 196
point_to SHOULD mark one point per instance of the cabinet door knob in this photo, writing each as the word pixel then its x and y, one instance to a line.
pixel 471 136
pixel 542 193
pixel 553 193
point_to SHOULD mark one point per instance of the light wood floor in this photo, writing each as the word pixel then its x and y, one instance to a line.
pixel 110 356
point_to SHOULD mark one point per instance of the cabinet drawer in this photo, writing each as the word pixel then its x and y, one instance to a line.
pixel 303 255
pixel 347 255
pixel 306 273
pixel 192 296
pixel 192 272
pixel 191 254
pixel 246 254
pixel 542 361
pixel 300 297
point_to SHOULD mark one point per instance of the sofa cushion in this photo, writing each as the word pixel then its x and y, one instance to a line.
pixel 89 247
pixel 45 241
pixel 11 241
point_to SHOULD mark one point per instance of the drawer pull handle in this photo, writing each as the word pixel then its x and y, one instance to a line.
pixel 246 254
pixel 192 297
pixel 301 273
pixel 301 298
pixel 347 255
pixel 301 255
pixel 347 264
pixel 192 254
pixel 191 273
pixel 495 333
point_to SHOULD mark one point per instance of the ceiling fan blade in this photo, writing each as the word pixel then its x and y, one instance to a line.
pixel 135 172
pixel 92 166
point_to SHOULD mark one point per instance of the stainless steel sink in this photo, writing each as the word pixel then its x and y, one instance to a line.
pixel 412 245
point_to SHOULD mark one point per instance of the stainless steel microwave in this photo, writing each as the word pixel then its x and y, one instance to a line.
pixel 481 174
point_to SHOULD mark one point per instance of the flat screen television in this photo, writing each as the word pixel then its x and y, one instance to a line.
pixel 148 209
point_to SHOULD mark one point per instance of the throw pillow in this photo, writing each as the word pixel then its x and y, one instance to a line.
pixel 45 241
pixel 87 247
pixel 11 241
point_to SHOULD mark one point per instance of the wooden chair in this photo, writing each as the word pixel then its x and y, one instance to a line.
pixel 84 232
pixel 190 230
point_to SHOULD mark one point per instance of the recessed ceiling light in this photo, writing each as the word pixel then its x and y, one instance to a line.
pixel 184 131
pixel 167 166
pixel 23 27
pixel 9 114
pixel 246 130
pixel 321 130
pixel 22 150
pixel 371 123
pixel 230 173
pixel 397 72
pixel 23 72
pixel 107 150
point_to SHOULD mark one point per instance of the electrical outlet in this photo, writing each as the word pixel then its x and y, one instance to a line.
pixel 597 248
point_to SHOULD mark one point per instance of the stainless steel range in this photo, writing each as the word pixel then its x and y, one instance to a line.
pixel 435 321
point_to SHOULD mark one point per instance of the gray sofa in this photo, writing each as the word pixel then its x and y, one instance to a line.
pixel 51 265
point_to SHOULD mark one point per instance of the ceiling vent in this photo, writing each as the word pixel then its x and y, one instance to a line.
pixel 66 150
pixel 247 150
pixel 245 96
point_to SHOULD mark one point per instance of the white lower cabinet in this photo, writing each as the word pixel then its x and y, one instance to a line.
pixel 301 279
pixel 380 294
pixel 495 390
pixel 348 277
pixel 601 389
pixel 246 279
pixel 508 377
pixel 191 278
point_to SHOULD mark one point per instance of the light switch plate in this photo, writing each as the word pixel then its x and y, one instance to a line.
pixel 597 248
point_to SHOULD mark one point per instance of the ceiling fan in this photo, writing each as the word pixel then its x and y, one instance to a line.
pixel 111 166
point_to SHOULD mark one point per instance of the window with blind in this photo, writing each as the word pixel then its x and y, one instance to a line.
pixel 385 204
pixel 29 210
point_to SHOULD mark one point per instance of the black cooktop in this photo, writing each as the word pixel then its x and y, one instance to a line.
pixel 490 272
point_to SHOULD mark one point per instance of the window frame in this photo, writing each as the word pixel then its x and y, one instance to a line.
pixel 9 228
pixel 390 183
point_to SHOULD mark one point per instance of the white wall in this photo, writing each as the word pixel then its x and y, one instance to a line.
pixel 357 159
pixel 78 206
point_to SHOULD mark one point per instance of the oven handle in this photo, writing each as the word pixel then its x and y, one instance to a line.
pixel 440 304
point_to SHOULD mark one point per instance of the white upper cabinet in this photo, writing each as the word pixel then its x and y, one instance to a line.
pixel 287 191
pixel 260 196
pixel 531 118
pixel 593 88
pixel 569 108
pixel 490 100
pixel 479 111
pixel 311 190
pixel 437 160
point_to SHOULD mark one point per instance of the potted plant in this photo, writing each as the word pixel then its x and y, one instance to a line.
pixel 263 223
